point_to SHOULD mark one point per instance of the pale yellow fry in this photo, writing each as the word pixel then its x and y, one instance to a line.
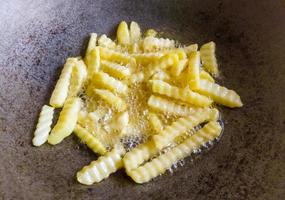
pixel 43 126
pixel 160 75
pixel 153 44
pixel 136 156
pixel 114 69
pixel 190 48
pixel 123 34
pixel 135 48
pixel 135 32
pixel 100 169
pixel 101 79
pixel 92 60
pixel 183 94
pixel 164 161
pixel 146 58
pixel 219 94
pixel 92 43
pixel 193 70
pixel 180 126
pixel 114 56
pixel 208 57
pixel 137 78
pixel 60 91
pixel 169 107
pixel 66 121
pixel 155 122
pixel 177 69
pixel 91 141
pixel 178 51
pixel 91 123
pixel 82 115
pixel 113 100
pixel 165 61
pixel 206 76
pixel 150 33
pixel 106 42
pixel 78 77
pixel 120 121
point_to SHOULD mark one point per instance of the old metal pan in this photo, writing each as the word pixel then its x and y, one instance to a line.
pixel 37 36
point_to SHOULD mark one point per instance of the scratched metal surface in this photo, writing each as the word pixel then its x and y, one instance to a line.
pixel 248 163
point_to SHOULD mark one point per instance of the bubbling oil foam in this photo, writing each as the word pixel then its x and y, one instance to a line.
pixel 138 128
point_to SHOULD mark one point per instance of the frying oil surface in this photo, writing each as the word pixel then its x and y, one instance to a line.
pixel 138 128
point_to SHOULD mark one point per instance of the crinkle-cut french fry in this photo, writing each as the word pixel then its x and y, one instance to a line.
pixel 114 69
pixel 94 117
pixel 106 42
pixel 155 122
pixel 90 91
pixel 120 121
pixel 135 32
pixel 60 91
pixel 177 69
pixel 101 112
pixel 136 156
pixel 219 94
pixel 181 81
pixel 150 33
pixel 79 75
pixel 43 126
pixel 92 60
pixel 146 58
pixel 88 121
pixel 123 34
pixel 114 56
pixel 165 61
pixel 101 79
pixel 190 48
pixel 82 115
pixel 109 139
pixel 179 51
pixel 137 78
pixel 180 126
pixel 135 48
pixel 160 75
pixel 91 123
pixel 208 58
pixel 163 162
pixel 206 76
pixel 91 141
pixel 153 44
pixel 100 169
pixel 92 43
pixel 193 70
pixel 112 99
pixel 66 121
pixel 169 107
pixel 214 115
pixel 183 94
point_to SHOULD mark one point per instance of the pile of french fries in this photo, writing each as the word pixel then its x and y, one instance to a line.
pixel 142 84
